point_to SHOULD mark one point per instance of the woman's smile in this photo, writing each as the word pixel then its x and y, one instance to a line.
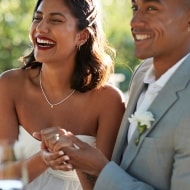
pixel 44 43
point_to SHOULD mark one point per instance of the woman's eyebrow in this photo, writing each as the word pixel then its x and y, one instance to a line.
pixel 52 14
pixel 57 14
pixel 148 1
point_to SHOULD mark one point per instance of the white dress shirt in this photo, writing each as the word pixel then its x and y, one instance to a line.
pixel 153 89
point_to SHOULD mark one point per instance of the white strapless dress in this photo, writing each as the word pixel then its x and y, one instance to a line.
pixel 50 179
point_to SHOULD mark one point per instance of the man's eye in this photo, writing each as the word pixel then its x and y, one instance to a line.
pixel 134 8
pixel 151 9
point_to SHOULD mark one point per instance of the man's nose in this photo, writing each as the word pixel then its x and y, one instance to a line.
pixel 138 19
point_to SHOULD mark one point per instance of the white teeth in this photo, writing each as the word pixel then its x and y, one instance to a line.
pixel 44 41
pixel 142 36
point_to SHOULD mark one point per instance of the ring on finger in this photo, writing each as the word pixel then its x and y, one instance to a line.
pixel 57 136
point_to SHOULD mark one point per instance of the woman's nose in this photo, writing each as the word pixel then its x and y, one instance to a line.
pixel 42 27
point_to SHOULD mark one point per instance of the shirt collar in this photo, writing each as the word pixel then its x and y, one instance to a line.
pixel 150 76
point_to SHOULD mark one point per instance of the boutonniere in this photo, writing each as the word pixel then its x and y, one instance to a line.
pixel 143 122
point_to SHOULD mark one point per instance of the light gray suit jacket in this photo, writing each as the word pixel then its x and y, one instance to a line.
pixel 161 161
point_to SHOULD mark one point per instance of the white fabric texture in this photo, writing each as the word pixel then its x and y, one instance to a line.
pixel 50 179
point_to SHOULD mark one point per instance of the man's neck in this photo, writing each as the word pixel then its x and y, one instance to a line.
pixel 162 65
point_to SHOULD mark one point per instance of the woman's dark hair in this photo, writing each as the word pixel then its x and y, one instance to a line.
pixel 94 59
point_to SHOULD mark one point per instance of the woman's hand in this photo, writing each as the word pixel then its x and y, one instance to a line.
pixel 55 159
pixel 68 152
pixel 50 136
pixel 53 140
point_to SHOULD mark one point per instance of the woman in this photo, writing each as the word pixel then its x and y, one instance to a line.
pixel 63 83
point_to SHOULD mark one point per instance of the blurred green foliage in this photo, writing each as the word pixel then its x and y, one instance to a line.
pixel 16 17
pixel 116 16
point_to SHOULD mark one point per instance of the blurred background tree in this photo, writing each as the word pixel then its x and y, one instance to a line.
pixel 16 17
pixel 116 16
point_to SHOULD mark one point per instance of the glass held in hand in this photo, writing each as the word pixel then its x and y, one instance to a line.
pixel 13 172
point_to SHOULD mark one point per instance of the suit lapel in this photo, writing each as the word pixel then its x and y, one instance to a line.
pixel 163 102
pixel 136 89
pixel 121 141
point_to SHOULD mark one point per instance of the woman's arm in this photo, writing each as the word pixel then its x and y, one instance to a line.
pixel 9 122
pixel 111 108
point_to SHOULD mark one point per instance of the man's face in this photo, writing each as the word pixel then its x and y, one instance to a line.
pixel 159 27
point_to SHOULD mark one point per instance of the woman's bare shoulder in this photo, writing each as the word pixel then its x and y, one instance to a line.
pixel 109 92
pixel 16 75
pixel 107 95
pixel 13 74
pixel 10 77
pixel 14 79
pixel 10 81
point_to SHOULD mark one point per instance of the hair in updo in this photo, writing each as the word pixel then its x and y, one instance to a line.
pixel 94 59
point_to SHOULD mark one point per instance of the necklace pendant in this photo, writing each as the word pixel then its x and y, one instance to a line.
pixel 44 94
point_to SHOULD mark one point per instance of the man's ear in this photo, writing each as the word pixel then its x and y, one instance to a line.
pixel 83 36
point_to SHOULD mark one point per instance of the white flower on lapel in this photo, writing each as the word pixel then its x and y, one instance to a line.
pixel 143 122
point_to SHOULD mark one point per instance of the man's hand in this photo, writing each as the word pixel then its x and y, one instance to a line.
pixel 84 157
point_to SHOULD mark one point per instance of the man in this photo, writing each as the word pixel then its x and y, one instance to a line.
pixel 160 160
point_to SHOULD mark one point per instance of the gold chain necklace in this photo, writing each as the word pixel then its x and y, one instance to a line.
pixel 44 94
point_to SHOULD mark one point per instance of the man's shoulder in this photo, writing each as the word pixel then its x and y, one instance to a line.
pixel 144 65
pixel 142 68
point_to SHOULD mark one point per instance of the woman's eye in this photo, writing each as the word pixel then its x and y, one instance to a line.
pixel 37 19
pixel 55 20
